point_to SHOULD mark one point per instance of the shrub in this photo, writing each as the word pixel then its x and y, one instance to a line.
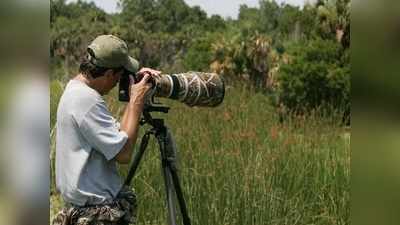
pixel 315 76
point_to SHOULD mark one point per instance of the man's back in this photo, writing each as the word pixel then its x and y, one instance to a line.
pixel 88 139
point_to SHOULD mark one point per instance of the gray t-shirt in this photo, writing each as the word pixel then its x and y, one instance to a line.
pixel 88 139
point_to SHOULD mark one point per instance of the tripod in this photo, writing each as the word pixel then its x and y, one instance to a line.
pixel 169 169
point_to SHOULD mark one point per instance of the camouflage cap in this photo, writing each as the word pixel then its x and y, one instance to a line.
pixel 111 52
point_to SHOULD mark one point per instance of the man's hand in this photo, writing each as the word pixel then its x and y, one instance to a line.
pixel 139 90
pixel 150 71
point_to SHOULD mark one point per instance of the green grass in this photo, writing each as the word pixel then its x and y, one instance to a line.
pixel 240 166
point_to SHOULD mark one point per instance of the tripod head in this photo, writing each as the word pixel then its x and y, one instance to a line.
pixel 147 117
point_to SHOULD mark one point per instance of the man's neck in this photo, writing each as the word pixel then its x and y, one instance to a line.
pixel 82 78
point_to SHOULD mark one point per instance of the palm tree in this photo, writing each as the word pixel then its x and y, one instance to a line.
pixel 334 20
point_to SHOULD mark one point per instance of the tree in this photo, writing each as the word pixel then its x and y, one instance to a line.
pixel 215 24
pixel 270 12
pixel 334 17
pixel 289 24
pixel 168 16
pixel 73 26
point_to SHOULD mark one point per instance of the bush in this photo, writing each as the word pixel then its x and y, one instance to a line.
pixel 199 54
pixel 315 76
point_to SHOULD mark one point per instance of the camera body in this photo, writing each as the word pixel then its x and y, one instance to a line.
pixel 191 88
pixel 123 92
pixel 124 82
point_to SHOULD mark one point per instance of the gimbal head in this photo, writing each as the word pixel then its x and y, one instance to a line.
pixel 147 118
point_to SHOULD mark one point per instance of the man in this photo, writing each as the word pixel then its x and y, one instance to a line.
pixel 90 141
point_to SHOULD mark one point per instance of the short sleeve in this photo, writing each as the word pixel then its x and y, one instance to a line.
pixel 101 131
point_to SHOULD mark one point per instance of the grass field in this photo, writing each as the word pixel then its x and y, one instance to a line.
pixel 240 166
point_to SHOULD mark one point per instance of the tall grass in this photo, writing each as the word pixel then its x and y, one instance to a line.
pixel 240 166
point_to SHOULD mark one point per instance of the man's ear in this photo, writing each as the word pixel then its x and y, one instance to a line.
pixel 109 73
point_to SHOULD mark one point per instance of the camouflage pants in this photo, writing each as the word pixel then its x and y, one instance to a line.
pixel 121 212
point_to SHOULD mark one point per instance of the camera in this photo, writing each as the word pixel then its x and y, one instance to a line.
pixel 191 88
pixel 123 94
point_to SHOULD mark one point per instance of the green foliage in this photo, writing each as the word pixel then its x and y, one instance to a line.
pixel 163 15
pixel 315 76
pixel 270 11
pixel 249 19
pixel 215 24
pixel 72 27
pixel 199 54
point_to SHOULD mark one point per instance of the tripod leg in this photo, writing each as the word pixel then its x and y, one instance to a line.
pixel 169 188
pixel 179 195
pixel 171 178
pixel 138 157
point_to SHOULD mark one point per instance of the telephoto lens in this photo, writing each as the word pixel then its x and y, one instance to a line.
pixel 191 88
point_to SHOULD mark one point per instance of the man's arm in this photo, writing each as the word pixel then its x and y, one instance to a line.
pixel 131 117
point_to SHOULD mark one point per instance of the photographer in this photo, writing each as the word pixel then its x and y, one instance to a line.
pixel 90 141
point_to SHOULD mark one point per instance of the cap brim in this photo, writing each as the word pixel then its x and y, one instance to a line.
pixel 132 65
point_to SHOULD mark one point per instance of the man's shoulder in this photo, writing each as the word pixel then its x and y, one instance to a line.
pixel 78 99
pixel 80 93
